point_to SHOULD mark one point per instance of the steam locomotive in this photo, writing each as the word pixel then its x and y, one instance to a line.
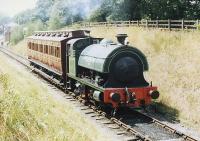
pixel 96 69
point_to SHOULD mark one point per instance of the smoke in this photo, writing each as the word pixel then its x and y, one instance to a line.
pixel 84 7
pixel 67 11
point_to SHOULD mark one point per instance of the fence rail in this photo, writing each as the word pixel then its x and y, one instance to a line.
pixel 163 24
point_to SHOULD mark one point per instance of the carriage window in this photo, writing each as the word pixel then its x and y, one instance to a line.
pixel 32 46
pixel 41 48
pixel 49 50
pixel 57 52
pixel 36 47
pixel 45 49
pixel 52 51
pixel 29 45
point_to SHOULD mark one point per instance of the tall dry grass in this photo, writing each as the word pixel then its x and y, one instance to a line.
pixel 174 60
pixel 20 47
pixel 30 111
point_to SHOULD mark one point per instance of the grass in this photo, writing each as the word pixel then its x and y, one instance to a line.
pixel 30 111
pixel 20 48
pixel 174 66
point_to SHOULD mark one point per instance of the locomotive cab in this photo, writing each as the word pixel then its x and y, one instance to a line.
pixel 75 47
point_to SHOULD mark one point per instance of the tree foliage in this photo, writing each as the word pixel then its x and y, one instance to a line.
pixel 146 9
pixel 17 34
pixel 60 15
pixel 3 21
pixel 43 9
pixel 57 13
pixel 34 26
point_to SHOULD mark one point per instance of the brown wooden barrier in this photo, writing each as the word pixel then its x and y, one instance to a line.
pixel 162 24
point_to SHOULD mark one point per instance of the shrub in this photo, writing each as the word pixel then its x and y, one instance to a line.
pixel 31 27
pixel 17 35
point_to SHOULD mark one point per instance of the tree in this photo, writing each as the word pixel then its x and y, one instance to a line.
pixel 3 21
pixel 33 26
pixel 17 34
pixel 60 15
pixel 104 11
pixel 117 10
pixel 43 10
pixel 98 16
pixel 146 9
pixel 24 17
pixel 126 10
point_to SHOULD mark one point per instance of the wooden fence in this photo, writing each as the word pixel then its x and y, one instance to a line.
pixel 163 24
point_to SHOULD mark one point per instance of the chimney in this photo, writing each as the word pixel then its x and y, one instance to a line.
pixel 121 38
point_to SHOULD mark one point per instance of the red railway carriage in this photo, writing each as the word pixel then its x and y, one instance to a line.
pixel 48 50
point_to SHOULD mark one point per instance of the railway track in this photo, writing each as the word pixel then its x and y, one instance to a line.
pixel 129 124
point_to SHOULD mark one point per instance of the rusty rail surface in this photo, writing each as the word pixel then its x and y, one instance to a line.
pixel 161 24
pixel 120 127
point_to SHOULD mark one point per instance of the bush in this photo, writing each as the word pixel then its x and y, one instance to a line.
pixel 17 35
pixel 31 27
pixel 55 22
pixel 98 16
pixel 19 32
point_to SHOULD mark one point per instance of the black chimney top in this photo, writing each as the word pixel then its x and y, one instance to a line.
pixel 121 38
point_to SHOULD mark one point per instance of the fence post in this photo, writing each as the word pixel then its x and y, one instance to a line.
pixel 157 24
pixel 197 24
pixel 116 24
pixel 147 23
pixel 138 23
pixel 109 24
pixel 169 24
pixel 182 24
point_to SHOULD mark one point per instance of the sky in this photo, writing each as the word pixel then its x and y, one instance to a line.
pixel 13 7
